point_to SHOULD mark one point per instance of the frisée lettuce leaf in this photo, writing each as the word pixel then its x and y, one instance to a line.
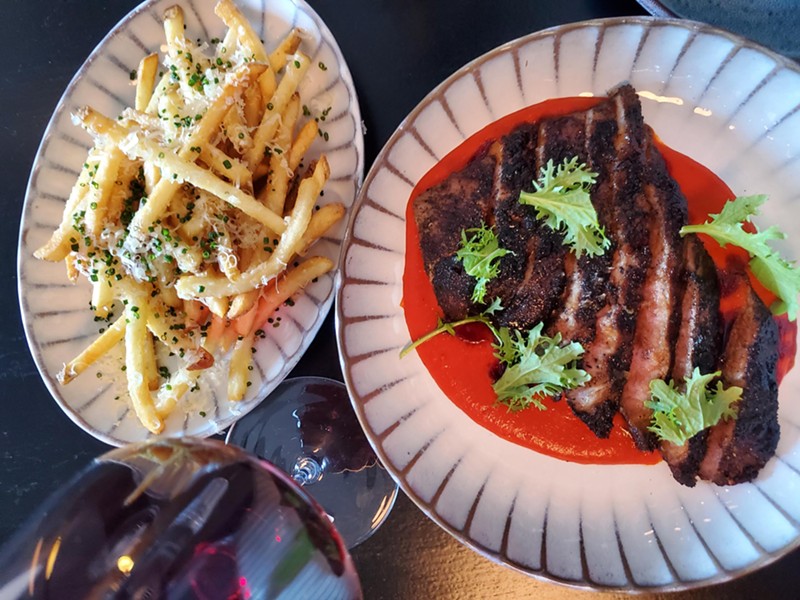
pixel 778 275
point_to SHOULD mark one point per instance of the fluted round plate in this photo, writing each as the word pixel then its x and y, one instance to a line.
pixel 715 97
pixel 57 321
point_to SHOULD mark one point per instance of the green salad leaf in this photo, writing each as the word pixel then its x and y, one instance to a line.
pixel 778 275
pixel 561 197
pixel 536 365
pixel 679 415
pixel 443 327
pixel 480 253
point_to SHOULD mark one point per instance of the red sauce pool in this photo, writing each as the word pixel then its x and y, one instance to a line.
pixel 462 368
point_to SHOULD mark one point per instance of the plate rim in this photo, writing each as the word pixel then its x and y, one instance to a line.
pixel 766 558
pixel 53 387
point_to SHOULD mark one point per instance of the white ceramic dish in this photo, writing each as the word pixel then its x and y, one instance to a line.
pixel 57 321
pixel 711 95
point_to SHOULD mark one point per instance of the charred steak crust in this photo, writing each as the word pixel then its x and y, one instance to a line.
pixel 658 317
pixel 530 279
pixel 625 217
pixel 647 308
pixel 738 449
pixel 441 212
pixel 537 266
pixel 698 345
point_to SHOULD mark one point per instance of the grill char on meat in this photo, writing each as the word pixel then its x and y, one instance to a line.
pixel 531 279
pixel 647 308
pixel 738 449
pixel 698 346
pixel 459 202
pixel 622 210
pixel 659 312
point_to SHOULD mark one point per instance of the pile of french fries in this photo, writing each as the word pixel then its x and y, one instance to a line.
pixel 193 208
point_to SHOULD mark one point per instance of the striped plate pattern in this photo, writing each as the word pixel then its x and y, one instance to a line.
pixel 713 96
pixel 57 321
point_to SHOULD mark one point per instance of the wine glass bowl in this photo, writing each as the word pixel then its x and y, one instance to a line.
pixel 307 427
pixel 178 518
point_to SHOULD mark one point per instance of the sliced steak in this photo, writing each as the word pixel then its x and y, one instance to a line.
pixel 531 277
pixel 660 309
pixel 646 309
pixel 739 448
pixel 462 201
pixel 625 216
pixel 586 289
pixel 699 345
pixel 537 265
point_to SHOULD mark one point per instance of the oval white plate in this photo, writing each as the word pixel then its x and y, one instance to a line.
pixel 713 96
pixel 57 321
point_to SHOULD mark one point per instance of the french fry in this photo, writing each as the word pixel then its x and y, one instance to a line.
pixel 227 166
pixel 102 295
pixel 242 303
pixel 280 290
pixel 235 20
pixel 302 143
pixel 186 170
pixel 101 345
pixel 274 193
pixel 167 327
pixel 173 30
pixel 100 189
pixel 241 358
pixel 253 107
pixel 236 131
pixel 295 69
pixel 288 46
pixel 145 81
pixel 58 246
pixel 307 195
pixel 211 286
pixel 150 371
pixel 321 221
pixel 181 168
pixel 206 127
pixel 171 392
pixel 218 306
pixel 243 322
pixel 72 269
pixel 266 85
pixel 229 42
pixel 136 337
pixel 165 221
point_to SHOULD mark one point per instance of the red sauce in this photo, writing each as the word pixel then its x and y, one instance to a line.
pixel 462 365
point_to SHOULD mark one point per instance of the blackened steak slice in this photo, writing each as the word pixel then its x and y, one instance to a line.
pixel 539 252
pixel 738 449
pixel 699 345
pixel 461 201
pixel 586 290
pixel 607 356
pixel 532 276
pixel 659 311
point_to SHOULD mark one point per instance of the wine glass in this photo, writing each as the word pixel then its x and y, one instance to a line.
pixel 178 519
pixel 307 427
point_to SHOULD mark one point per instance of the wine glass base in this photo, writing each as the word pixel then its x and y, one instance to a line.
pixel 307 428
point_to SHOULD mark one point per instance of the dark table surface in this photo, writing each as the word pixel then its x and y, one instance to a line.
pixel 397 50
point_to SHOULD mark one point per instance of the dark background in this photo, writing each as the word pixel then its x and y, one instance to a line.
pixel 397 50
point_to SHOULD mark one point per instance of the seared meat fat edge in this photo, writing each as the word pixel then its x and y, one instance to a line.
pixel 648 308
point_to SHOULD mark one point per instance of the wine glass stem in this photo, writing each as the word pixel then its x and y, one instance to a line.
pixel 307 471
